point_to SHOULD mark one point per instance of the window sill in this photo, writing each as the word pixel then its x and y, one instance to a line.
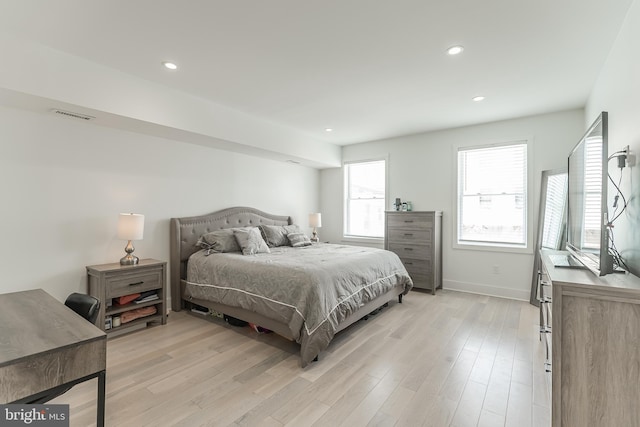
pixel 488 247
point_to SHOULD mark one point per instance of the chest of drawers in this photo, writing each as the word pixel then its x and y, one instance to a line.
pixel 416 237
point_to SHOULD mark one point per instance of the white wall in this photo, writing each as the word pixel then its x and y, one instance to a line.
pixel 63 183
pixel 617 91
pixel 421 170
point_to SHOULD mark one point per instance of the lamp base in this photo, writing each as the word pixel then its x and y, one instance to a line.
pixel 314 237
pixel 129 260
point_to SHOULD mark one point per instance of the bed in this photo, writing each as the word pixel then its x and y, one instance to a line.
pixel 303 294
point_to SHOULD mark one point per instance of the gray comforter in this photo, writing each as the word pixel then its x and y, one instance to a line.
pixel 311 289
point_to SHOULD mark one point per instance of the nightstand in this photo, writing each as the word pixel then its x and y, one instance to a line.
pixel 110 281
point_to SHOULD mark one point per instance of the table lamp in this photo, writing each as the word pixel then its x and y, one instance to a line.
pixel 315 220
pixel 130 227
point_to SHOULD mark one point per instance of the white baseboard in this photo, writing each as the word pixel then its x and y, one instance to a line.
pixel 482 289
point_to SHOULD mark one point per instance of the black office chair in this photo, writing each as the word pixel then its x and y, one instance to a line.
pixel 87 307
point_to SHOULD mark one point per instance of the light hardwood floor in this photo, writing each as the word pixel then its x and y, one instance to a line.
pixel 452 359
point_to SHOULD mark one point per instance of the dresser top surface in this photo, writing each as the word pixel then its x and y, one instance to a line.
pixel 584 277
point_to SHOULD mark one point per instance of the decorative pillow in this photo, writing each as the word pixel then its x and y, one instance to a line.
pixel 219 241
pixel 298 239
pixel 251 241
pixel 276 235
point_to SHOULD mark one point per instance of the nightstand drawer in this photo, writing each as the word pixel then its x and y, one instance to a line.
pixel 125 284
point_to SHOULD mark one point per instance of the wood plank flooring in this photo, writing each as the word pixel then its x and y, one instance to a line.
pixel 453 359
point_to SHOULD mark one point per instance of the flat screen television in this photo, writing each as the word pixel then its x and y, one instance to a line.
pixel 587 214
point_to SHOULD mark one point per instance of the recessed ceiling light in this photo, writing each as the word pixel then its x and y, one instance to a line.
pixel 477 98
pixel 454 50
pixel 328 130
pixel 170 65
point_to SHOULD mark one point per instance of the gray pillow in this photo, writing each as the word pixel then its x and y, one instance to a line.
pixel 219 241
pixel 298 239
pixel 251 241
pixel 276 235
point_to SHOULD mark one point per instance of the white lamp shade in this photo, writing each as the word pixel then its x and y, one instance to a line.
pixel 130 226
pixel 315 220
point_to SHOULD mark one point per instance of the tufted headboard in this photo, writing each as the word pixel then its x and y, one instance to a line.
pixel 185 232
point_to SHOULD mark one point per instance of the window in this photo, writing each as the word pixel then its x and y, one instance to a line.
pixel 364 191
pixel 492 196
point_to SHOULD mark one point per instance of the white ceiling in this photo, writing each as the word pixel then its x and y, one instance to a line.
pixel 369 69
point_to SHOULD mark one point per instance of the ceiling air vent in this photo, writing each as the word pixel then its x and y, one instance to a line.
pixel 72 114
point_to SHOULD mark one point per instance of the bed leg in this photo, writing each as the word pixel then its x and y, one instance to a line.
pixel 400 299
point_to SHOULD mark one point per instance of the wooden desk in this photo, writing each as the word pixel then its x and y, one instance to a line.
pixel 45 345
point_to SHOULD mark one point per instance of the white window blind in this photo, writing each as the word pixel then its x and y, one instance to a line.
pixel 593 193
pixel 365 188
pixel 554 211
pixel 492 196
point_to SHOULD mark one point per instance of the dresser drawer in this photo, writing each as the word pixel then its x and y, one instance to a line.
pixel 411 250
pixel 546 339
pixel 545 310
pixel 422 281
pixel 545 293
pixel 132 283
pixel 544 278
pixel 415 266
pixel 408 221
pixel 548 313
pixel 410 236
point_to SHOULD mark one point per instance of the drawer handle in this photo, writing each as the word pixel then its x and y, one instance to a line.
pixel 136 283
pixel 408 263
pixel 408 234
pixel 408 249
pixel 408 220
